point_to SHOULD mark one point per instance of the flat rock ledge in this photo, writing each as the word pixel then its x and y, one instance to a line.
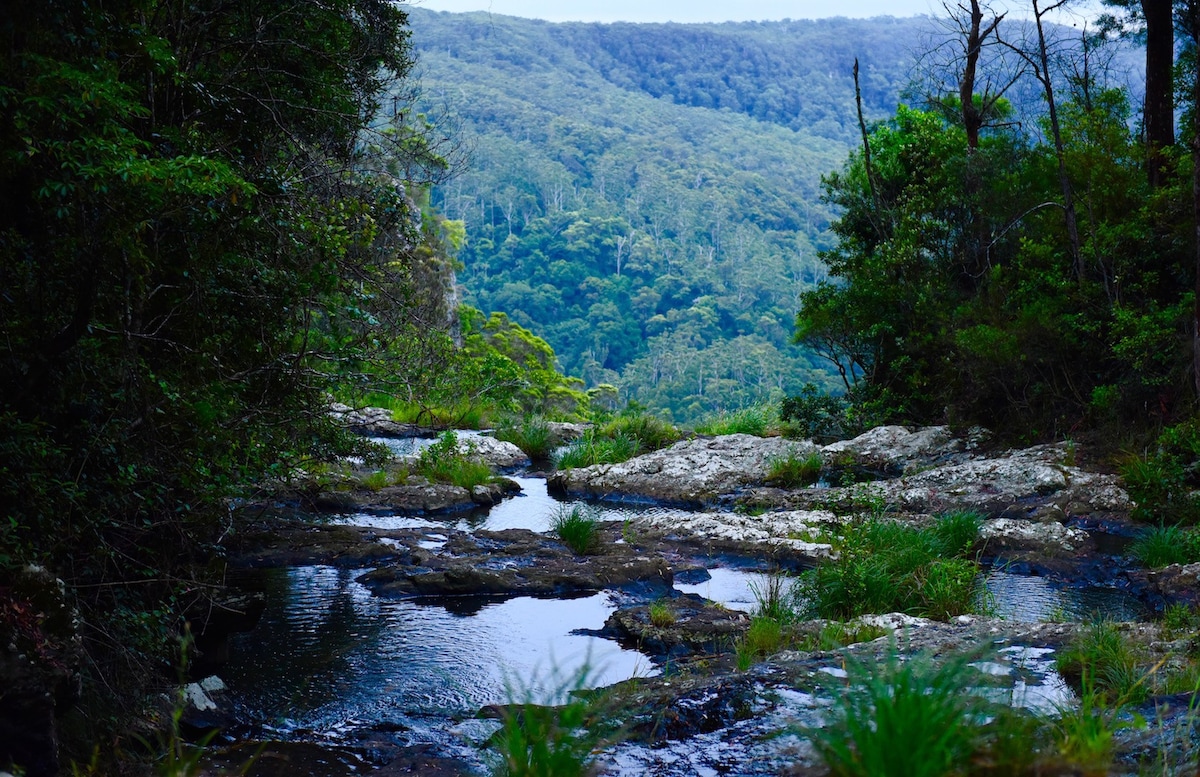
pixel 417 497
pixel 692 473
pixel 517 562
pixel 797 531
pixel 691 625
pixel 1011 482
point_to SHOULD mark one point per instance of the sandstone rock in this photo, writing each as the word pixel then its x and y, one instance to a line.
pixel 374 422
pixel 896 448
pixel 497 454
pixel 563 433
pixel 798 530
pixel 1044 537
pixel 693 472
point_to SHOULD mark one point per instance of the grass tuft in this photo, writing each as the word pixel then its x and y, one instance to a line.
pixel 592 449
pixel 443 462
pixel 755 420
pixel 899 718
pixel 1165 545
pixel 531 434
pixel 661 615
pixel 794 470
pixel 578 527
pixel 884 566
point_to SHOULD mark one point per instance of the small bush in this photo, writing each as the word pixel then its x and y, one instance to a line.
pixel 578 527
pixel 902 719
pixel 443 462
pixel 814 415
pixel 750 420
pixel 1165 545
pixel 592 449
pixel 794 470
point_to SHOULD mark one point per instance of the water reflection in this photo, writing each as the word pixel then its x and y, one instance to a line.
pixel 1029 599
pixel 328 654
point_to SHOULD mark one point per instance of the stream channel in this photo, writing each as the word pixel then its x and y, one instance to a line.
pixel 333 664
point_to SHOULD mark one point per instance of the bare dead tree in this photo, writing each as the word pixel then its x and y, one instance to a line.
pixel 1037 55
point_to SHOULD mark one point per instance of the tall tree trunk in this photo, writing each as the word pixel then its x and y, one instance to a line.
pixel 1158 113
pixel 1063 179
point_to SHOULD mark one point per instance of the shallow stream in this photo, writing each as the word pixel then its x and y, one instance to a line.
pixel 330 659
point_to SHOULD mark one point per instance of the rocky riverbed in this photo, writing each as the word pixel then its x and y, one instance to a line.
pixel 378 578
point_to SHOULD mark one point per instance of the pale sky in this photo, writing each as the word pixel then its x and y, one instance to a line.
pixel 703 10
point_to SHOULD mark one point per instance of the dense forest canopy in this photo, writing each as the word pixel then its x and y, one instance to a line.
pixel 647 197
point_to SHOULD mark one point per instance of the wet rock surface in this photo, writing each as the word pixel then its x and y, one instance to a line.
pixel 1044 517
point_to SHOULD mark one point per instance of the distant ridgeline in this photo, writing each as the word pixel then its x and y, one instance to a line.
pixel 646 196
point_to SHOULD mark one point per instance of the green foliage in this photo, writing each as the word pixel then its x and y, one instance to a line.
pixel 650 432
pixel 531 434
pixel 578 526
pixel 595 449
pixel 446 462
pixel 764 637
pixel 1164 545
pixel 196 249
pixel 1104 664
pixel 754 420
pixel 885 566
pixel 906 718
pixel 794 470
pixel 814 415
pixel 536 740
pixel 661 615
pixel 956 299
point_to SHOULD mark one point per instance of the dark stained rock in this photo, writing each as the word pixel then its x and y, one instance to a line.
pixel 696 625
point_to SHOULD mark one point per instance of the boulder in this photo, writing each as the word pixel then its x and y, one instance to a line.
pixel 373 422
pixel 898 449
pixel 693 472
pixel 1043 537
pixel 497 454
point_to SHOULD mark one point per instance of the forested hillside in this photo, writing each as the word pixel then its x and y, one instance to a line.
pixel 646 197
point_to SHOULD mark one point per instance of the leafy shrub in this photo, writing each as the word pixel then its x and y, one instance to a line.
pixel 754 420
pixel 814 415
pixel 898 718
pixel 594 449
pixel 1161 481
pixel 443 462
pixel 578 527
pixel 794 470
pixel 532 435
pixel 1165 545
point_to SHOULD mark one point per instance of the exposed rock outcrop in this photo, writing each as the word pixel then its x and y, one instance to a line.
pixel 693 472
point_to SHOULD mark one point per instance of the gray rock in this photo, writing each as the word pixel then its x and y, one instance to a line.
pixel 692 472
pixel 897 448
pixel 1043 537
pixel 497 454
